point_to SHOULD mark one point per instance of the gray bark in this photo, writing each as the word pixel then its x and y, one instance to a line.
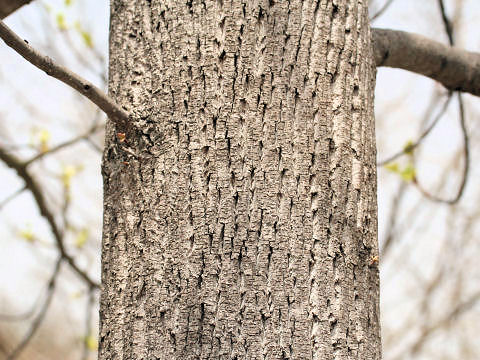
pixel 240 221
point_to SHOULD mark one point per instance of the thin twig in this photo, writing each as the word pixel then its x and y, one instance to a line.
pixel 392 222
pixel 80 57
pixel 76 139
pixel 456 312
pixel 23 316
pixel 9 6
pixel 94 146
pixel 463 127
pixel 41 314
pixel 84 87
pixel 88 323
pixel 382 10
pixel 446 23
pixel 466 165
pixel 11 197
pixel 38 195
pixel 427 131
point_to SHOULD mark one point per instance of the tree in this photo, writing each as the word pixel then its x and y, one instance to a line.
pixel 240 214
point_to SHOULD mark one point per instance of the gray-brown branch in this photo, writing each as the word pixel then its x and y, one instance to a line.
pixel 84 87
pixel 38 195
pixel 9 6
pixel 454 68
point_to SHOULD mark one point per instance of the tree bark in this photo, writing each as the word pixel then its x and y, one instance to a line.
pixel 240 221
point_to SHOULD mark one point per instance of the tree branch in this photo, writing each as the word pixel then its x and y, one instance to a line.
pixel 384 8
pixel 38 195
pixel 412 146
pixel 41 314
pixel 454 68
pixel 457 311
pixel 91 131
pixel 9 6
pixel 84 87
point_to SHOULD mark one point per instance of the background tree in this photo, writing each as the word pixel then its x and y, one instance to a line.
pixel 401 169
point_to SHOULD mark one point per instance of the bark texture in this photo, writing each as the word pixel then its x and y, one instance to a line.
pixel 240 221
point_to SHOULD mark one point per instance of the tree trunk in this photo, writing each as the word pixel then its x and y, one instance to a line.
pixel 240 221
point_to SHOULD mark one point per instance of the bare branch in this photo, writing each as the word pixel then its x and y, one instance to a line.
pixel 12 196
pixel 22 316
pixel 393 218
pixel 41 314
pixel 466 165
pixel 456 312
pixel 454 68
pixel 91 131
pixel 9 6
pixel 84 87
pixel 424 134
pixel 463 126
pixel 382 10
pixel 88 323
pixel 30 183
pixel 446 22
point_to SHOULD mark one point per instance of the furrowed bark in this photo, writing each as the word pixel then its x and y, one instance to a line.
pixel 240 222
